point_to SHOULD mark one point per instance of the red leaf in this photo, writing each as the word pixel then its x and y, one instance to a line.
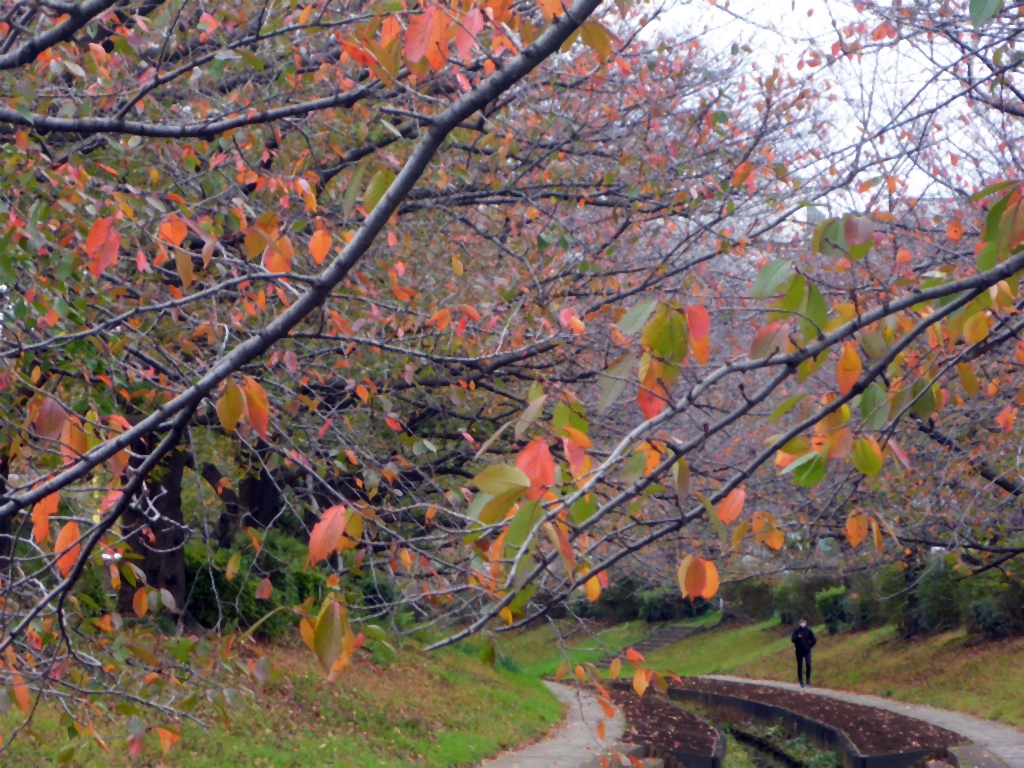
pixel 393 423
pixel 652 399
pixel 536 462
pixel 257 405
pixel 699 321
pixel 326 533
pixel 743 170
pixel 102 245
pixel 264 589
pixel 466 34
pixel 418 35
pixel 50 419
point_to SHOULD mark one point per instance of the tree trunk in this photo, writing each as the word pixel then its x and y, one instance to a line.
pixel 157 532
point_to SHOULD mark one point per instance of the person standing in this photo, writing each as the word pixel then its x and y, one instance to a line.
pixel 804 640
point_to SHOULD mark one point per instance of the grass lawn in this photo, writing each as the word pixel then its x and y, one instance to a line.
pixel 538 652
pixel 986 680
pixel 446 709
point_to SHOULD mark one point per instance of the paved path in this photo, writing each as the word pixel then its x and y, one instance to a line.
pixel 1005 742
pixel 572 743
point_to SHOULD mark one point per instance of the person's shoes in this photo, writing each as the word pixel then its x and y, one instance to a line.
pixel 801 683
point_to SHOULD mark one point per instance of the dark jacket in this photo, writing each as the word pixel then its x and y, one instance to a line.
pixel 804 639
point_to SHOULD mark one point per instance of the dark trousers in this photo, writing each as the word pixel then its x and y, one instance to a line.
pixel 803 658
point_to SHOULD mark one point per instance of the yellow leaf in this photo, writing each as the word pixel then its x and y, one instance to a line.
pixel 233 563
pixel 593 589
pixel 506 614
pixel 304 16
pixel 640 681
pixel 876 534
pixel 457 264
pixel 976 328
pixel 849 368
pixel 229 407
pixel 562 671
pixel 167 739
pixel 257 406
pixel 739 532
pixel 684 568
pixel 183 263
pixel 306 631
pixel 615 668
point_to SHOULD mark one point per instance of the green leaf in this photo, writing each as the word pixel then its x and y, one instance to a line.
pixel 529 415
pixel 328 635
pixel 681 476
pixel 500 478
pixel 251 59
pixel 611 387
pixel 807 470
pixel 772 275
pixel 634 468
pixel 379 184
pixel 865 458
pixel 981 194
pixel 874 406
pixel 925 402
pixel 352 190
pixel 666 335
pixel 636 317
pixel 523 523
pixel 785 407
pixel 713 517
pixel 495 509
pixel 816 313
pixel 583 509
pixel 983 10
pixel 874 345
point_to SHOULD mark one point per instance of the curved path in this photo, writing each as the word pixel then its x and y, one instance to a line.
pixel 1004 742
pixel 574 741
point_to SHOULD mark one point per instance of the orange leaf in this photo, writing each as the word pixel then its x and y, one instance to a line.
pixel 139 603
pixel 1006 418
pixel 41 517
pixel 264 589
pixel 651 398
pixel 74 441
pixel 600 728
pixel 320 245
pixel 849 368
pixel 955 230
pixel 536 462
pixel 441 319
pixel 701 349
pixel 102 244
pixel 730 508
pixel 21 694
pixel 257 406
pixel 278 256
pixel 550 9
pixel 306 630
pixel 468 311
pixel 173 230
pixel 67 543
pixel 696 577
pixel 326 533
pixel 634 656
pixel 856 528
pixel 743 170
pixel 167 738
pixel 710 580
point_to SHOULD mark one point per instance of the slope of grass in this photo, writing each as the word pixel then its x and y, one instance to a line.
pixel 441 710
pixel 986 679
pixel 538 652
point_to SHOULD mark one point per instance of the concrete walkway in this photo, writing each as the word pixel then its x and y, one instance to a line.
pixel 1003 741
pixel 572 743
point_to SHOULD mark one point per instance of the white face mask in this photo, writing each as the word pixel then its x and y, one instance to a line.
pixel 803 623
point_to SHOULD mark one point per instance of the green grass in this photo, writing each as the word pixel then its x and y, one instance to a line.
pixel 736 756
pixel 538 652
pixel 984 679
pixel 442 710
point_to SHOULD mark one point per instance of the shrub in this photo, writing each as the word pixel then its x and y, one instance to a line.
pixel 750 597
pixel 862 606
pixel 794 597
pixel 831 604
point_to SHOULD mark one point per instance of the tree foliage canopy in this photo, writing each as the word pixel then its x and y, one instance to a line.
pixel 479 304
